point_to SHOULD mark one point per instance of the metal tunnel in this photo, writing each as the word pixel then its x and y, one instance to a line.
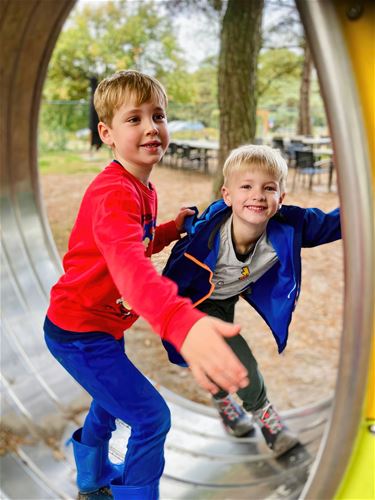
pixel 41 405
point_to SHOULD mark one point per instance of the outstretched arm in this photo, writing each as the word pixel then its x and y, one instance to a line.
pixel 320 227
pixel 118 235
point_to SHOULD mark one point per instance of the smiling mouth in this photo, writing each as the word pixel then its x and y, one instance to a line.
pixel 255 208
pixel 152 145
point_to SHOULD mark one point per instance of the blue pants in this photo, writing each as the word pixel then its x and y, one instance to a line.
pixel 119 390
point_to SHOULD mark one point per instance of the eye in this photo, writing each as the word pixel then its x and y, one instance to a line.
pixel 246 186
pixel 159 117
pixel 271 188
pixel 133 119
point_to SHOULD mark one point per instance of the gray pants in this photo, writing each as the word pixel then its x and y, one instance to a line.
pixel 254 395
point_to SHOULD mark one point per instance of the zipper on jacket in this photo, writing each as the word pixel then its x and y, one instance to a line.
pixel 292 290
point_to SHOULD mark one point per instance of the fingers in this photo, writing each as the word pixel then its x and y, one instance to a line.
pixel 187 208
pixel 204 381
pixel 229 373
pixel 228 329
pixel 222 382
pixel 213 379
pixel 220 368
pixel 211 360
pixel 186 211
pixel 182 214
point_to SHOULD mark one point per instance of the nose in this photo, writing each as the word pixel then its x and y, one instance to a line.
pixel 152 128
pixel 258 194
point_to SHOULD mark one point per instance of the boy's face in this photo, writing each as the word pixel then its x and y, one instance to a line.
pixel 254 196
pixel 138 135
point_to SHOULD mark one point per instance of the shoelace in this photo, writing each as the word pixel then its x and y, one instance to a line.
pixel 270 418
pixel 229 409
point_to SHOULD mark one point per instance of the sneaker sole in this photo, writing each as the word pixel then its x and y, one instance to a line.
pixel 284 444
pixel 241 431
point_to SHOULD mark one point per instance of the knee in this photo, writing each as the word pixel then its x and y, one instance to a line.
pixel 156 422
pixel 161 418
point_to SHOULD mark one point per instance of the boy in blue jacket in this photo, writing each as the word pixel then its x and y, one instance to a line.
pixel 249 245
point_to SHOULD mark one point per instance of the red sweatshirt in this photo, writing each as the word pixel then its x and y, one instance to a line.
pixel 109 280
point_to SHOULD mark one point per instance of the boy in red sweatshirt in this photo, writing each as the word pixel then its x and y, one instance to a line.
pixel 109 281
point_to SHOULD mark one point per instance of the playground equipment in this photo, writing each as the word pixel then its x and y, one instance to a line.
pixel 41 402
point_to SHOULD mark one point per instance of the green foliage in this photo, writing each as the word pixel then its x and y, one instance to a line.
pixel 279 79
pixel 57 119
pixel 205 82
pixel 199 101
pixel 67 163
pixel 318 114
pixel 101 38
pixel 279 72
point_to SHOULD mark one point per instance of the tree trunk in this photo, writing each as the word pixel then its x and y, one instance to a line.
pixel 304 120
pixel 240 41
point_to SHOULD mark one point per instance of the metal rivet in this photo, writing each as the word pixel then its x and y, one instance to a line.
pixel 354 11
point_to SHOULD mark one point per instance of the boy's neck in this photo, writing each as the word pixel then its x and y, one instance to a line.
pixel 143 175
pixel 244 236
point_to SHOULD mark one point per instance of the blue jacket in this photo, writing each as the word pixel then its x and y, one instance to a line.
pixel 275 294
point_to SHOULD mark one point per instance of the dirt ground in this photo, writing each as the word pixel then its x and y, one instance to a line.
pixel 306 372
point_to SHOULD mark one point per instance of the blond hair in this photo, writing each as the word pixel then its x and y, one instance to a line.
pixel 253 157
pixel 116 89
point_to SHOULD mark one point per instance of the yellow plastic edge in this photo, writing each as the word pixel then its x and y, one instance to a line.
pixel 359 480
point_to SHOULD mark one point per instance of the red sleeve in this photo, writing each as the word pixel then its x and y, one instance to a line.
pixel 164 235
pixel 118 235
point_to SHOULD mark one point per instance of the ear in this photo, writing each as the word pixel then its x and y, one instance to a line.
pixel 105 133
pixel 226 196
pixel 282 196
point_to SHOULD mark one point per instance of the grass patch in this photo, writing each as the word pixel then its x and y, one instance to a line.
pixel 70 163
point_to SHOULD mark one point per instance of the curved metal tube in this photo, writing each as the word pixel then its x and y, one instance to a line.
pixel 355 187
pixel 30 265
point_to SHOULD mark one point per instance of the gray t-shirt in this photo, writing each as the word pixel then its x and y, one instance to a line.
pixel 231 275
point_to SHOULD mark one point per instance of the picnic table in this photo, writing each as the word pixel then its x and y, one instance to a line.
pixel 312 141
pixel 191 154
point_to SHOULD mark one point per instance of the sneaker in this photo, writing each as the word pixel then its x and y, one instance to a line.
pixel 277 435
pixel 236 421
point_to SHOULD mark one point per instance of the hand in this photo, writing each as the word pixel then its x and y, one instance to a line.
pixel 211 360
pixel 180 219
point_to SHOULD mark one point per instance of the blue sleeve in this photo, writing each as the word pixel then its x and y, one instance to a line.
pixel 173 355
pixel 320 227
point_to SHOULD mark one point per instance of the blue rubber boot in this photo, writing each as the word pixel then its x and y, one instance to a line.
pixel 124 492
pixel 94 469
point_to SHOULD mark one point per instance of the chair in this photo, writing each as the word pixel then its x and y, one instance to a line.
pixel 278 143
pixel 306 166
pixel 291 151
